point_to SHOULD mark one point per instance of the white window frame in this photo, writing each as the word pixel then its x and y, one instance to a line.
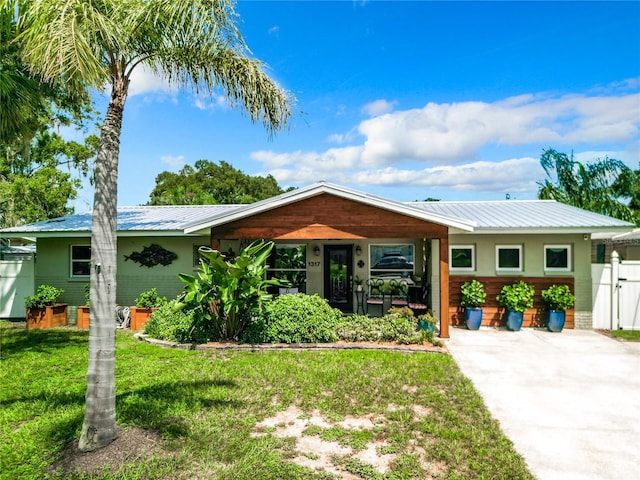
pixel 473 258
pixel 509 247
pixel 72 261
pixel 558 269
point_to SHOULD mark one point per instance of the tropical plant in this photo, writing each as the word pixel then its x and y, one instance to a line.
pixel 85 45
pixel 592 186
pixel 558 297
pixel 32 185
pixel 473 294
pixel 227 294
pixel 517 297
pixel 150 299
pixel 45 296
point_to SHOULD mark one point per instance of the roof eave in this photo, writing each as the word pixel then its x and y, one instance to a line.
pixel 322 188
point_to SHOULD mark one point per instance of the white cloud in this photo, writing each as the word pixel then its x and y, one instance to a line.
pixel 446 146
pixel 144 80
pixel 455 132
pixel 175 162
pixel 378 107
pixel 275 30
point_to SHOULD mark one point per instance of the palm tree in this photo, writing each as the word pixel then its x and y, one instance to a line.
pixel 96 44
pixel 589 186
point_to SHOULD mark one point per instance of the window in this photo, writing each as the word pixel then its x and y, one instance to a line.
pixel 509 258
pixel 391 261
pixel 557 258
pixel 462 258
pixel 80 260
pixel 289 262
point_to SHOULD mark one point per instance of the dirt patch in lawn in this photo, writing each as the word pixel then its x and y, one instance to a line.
pixel 132 446
pixel 328 456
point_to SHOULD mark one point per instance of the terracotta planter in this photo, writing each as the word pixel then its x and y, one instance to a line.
pixel 140 316
pixel 83 317
pixel 47 317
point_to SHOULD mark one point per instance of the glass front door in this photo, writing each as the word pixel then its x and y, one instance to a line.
pixel 338 276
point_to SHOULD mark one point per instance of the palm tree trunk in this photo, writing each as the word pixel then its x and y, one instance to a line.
pixel 99 427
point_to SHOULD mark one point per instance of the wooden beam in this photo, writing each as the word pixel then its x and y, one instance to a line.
pixel 444 287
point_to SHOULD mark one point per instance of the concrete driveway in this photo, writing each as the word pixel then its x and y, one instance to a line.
pixel 569 401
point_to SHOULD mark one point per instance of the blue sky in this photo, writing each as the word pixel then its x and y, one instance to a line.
pixel 408 100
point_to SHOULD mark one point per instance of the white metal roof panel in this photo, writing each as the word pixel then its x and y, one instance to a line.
pixel 130 219
pixel 522 214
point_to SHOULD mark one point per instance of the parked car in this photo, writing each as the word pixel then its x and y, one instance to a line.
pixel 393 262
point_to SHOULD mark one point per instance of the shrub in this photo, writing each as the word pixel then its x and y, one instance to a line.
pixel 296 318
pixel 517 296
pixel 177 326
pixel 45 296
pixel 150 299
pixel 558 297
pixel 87 294
pixel 473 294
pixel 393 327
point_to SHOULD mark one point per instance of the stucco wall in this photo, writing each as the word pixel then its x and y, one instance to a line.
pixel 53 267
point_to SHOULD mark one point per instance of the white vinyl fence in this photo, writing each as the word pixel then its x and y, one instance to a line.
pixel 616 294
pixel 16 283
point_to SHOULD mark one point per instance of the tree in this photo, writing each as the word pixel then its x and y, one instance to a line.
pixel 208 183
pixel 627 185
pixel 32 187
pixel 589 186
pixel 191 43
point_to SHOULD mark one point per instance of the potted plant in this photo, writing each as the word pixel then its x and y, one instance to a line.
pixel 358 281
pixel 146 303
pixel 83 310
pixel 559 299
pixel 473 297
pixel 516 298
pixel 43 311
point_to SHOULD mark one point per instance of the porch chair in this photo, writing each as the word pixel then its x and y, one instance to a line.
pixel 399 293
pixel 418 303
pixel 375 293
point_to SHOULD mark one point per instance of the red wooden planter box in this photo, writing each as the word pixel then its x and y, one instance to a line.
pixel 47 317
pixel 140 316
pixel 83 317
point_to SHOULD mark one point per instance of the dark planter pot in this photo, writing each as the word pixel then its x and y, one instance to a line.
pixel 555 320
pixel 426 326
pixel 514 320
pixel 473 317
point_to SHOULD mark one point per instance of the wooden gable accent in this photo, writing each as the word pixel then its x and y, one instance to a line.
pixel 327 216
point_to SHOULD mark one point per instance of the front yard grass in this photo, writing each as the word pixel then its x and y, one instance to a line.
pixel 629 335
pixel 212 410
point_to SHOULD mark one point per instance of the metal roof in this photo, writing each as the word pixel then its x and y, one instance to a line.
pixel 169 219
pixel 506 216
pixel 524 215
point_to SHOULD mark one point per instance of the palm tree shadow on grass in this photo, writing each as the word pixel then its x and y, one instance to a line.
pixel 150 407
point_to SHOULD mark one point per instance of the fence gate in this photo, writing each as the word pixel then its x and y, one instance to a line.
pixel 625 278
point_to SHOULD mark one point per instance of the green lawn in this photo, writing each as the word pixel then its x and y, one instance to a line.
pixel 630 335
pixel 421 413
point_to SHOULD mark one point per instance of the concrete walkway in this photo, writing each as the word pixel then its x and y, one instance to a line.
pixel 569 401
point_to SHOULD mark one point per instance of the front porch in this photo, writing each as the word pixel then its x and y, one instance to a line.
pixel 325 242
